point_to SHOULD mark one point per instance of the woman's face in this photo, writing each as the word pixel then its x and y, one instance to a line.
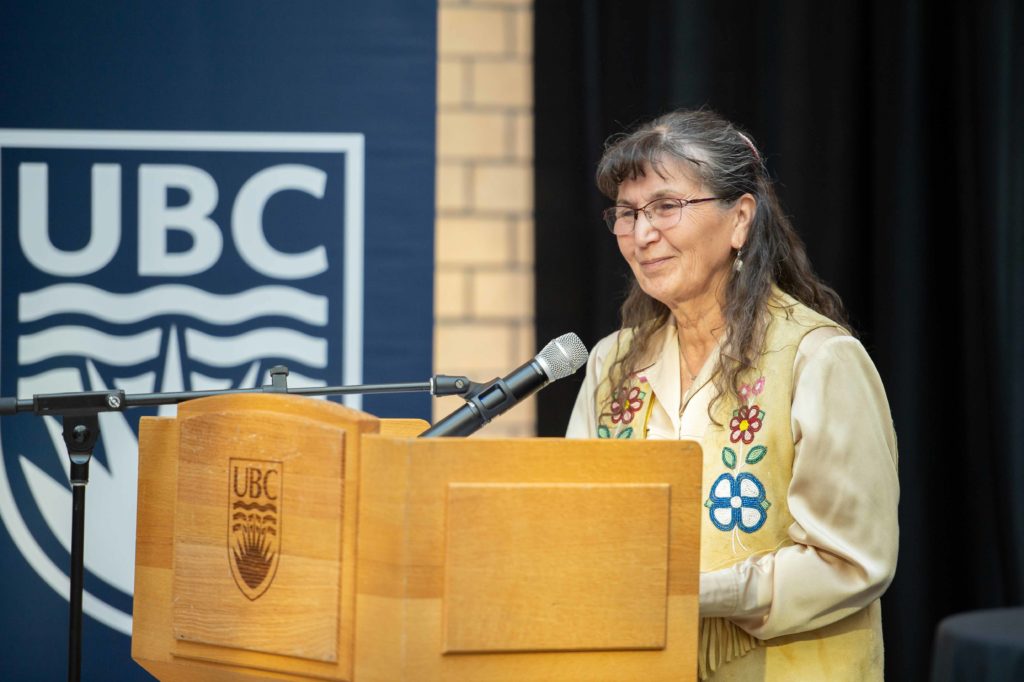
pixel 689 261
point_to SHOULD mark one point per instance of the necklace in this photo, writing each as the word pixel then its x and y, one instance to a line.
pixel 689 372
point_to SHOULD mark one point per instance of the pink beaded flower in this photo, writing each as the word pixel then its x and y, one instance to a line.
pixel 748 391
pixel 626 405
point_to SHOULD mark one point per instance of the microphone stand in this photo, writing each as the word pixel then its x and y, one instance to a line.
pixel 79 414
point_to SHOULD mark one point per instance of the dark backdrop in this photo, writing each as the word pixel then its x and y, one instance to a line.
pixel 896 133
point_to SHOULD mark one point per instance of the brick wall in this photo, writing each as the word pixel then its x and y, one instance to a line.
pixel 483 302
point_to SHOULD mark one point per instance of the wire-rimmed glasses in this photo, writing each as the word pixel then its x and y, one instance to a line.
pixel 661 214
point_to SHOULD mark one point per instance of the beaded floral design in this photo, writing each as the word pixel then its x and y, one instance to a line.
pixel 624 408
pixel 604 432
pixel 738 501
pixel 746 421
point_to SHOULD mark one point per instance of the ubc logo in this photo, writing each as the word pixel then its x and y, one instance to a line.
pixel 254 528
pixel 152 261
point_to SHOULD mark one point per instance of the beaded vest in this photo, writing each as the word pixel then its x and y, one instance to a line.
pixel 747 464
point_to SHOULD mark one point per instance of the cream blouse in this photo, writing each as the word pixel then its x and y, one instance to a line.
pixel 843 494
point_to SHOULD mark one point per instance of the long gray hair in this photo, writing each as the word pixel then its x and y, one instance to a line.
pixel 727 163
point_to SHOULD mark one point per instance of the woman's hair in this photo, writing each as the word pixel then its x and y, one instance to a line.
pixel 726 162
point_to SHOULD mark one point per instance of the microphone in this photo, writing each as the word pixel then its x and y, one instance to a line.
pixel 557 360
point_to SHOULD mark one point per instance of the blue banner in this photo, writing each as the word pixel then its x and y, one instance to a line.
pixel 191 193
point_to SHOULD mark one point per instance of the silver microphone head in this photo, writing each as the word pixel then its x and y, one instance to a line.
pixel 562 356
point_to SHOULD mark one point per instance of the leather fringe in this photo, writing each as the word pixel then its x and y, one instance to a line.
pixel 721 641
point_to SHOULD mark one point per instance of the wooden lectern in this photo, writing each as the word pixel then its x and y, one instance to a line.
pixel 289 538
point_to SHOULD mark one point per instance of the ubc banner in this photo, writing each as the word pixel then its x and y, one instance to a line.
pixel 191 193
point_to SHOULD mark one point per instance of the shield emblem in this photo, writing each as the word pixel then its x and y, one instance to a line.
pixel 82 309
pixel 254 523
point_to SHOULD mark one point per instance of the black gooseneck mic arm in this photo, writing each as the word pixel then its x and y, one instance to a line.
pixel 557 360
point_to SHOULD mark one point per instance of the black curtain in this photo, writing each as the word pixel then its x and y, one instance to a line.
pixel 895 131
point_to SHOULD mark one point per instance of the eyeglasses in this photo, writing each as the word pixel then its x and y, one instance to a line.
pixel 661 214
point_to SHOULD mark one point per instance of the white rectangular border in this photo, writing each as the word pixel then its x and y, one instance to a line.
pixel 352 145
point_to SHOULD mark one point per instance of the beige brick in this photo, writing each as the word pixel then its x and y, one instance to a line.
pixel 522 136
pixel 523 240
pixel 502 83
pixel 471 135
pixel 452 79
pixel 523 40
pixel 442 407
pixel 479 350
pixel 484 234
pixel 527 344
pixel 472 31
pixel 502 294
pixel 452 190
pixel 472 241
pixel 451 293
pixel 500 428
pixel 503 187
pixel 502 3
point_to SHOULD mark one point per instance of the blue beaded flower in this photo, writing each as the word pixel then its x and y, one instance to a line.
pixel 738 501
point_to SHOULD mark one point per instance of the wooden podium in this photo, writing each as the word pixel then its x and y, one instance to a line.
pixel 289 538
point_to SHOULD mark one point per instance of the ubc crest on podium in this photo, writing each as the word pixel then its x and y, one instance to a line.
pixel 254 523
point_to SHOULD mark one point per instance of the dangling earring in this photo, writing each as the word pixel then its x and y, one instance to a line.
pixel 737 264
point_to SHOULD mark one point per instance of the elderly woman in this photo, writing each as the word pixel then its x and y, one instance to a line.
pixel 729 338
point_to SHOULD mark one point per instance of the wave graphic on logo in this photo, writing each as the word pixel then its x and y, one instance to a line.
pixel 252 548
pixel 173 298
pixel 132 362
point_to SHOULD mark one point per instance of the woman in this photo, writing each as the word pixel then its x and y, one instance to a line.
pixel 730 339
